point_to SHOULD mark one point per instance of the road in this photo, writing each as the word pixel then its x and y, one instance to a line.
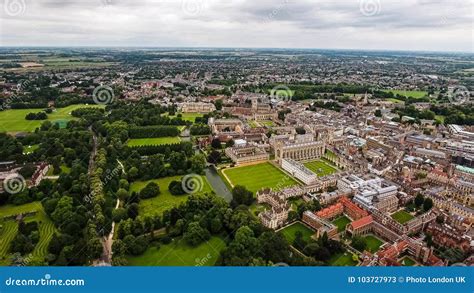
pixel 108 240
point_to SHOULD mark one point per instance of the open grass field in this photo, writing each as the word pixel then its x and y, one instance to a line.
pixel 14 120
pixel 342 259
pixel 341 223
pixel 373 243
pixel 413 94
pixel 165 200
pixel 10 228
pixel 178 253
pixel 320 168
pixel 191 117
pixel 153 141
pixel 289 232
pixel 402 217
pixel 407 261
pixel 256 177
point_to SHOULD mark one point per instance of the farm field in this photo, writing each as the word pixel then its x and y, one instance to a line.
pixel 179 253
pixel 402 217
pixel 14 120
pixel 256 177
pixel 10 228
pixel 60 64
pixel 320 168
pixel 341 223
pixel 289 232
pixel 165 200
pixel 413 94
pixel 153 141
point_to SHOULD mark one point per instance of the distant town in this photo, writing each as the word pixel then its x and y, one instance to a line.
pixel 236 157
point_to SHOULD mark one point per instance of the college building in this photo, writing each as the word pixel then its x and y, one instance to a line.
pixel 298 170
pixel 299 151
pixel 246 154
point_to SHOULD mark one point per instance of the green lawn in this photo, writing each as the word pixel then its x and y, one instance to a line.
pixel 256 177
pixel 330 154
pixel 373 243
pixel 396 101
pixel 256 209
pixel 14 120
pixel 341 223
pixel 30 148
pixel 153 141
pixel 165 200
pixel 268 123
pixel 64 169
pixel 10 228
pixel 413 94
pixel 7 233
pixel 402 217
pixel 342 259
pixel 186 116
pixel 289 232
pixel 320 168
pixel 253 124
pixel 178 253
pixel 440 118
pixel 407 261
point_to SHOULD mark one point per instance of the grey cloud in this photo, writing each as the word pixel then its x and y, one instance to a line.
pixel 255 23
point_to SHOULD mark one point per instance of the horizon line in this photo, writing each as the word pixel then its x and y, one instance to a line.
pixel 234 48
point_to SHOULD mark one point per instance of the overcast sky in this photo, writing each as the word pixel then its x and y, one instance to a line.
pixel 435 25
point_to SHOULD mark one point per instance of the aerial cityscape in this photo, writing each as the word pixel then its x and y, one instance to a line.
pixel 234 155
